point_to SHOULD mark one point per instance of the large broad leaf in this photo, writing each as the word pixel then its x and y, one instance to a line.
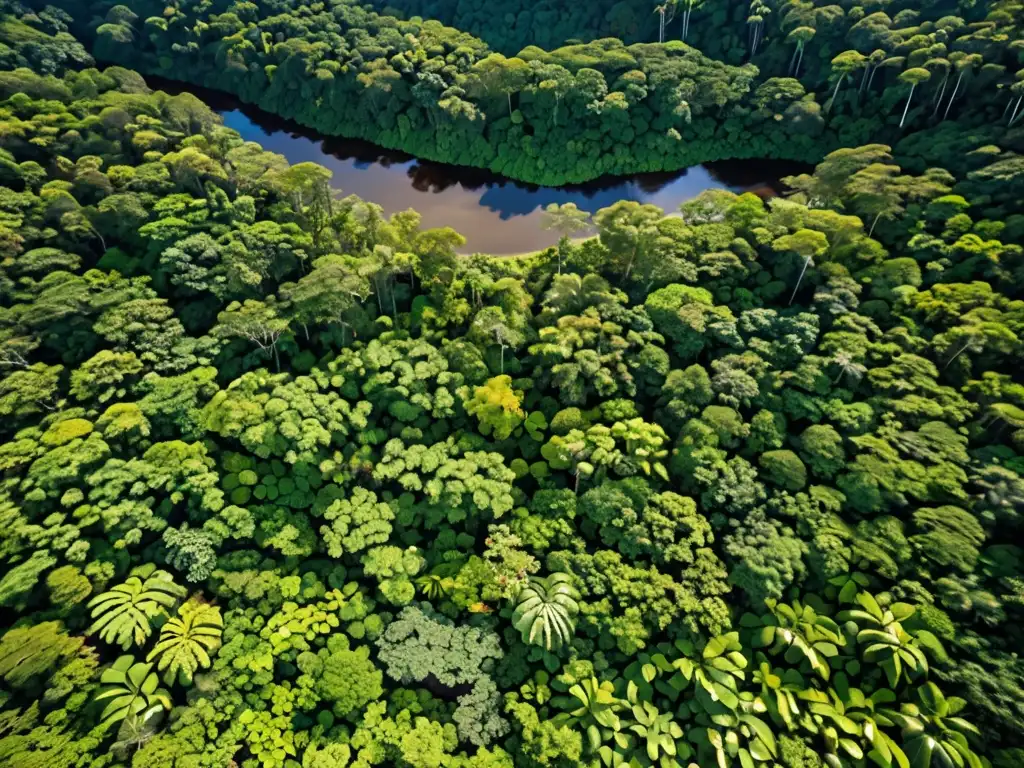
pixel 852 748
pixel 717 646
pixel 848 592
pixel 971 759
pixel 764 734
pixel 933 699
pixel 892 667
pixel 869 604
pixel 919 751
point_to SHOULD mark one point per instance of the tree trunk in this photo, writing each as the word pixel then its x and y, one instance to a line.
pixel 871 80
pixel 502 359
pixel 792 59
pixel 942 93
pixel 1015 117
pixel 873 223
pixel 907 108
pixel 629 267
pixel 509 95
pixel 277 358
pixel 864 78
pixel 953 97
pixel 799 61
pixel 800 279
pixel 959 352
pixel 832 103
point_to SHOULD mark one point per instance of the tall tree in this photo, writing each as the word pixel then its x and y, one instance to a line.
pixel 567 220
pixel 798 37
pixel 914 77
pixel 843 66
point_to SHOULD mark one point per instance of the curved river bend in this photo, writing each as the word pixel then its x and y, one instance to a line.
pixel 496 215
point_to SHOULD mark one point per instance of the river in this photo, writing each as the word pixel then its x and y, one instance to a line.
pixel 496 215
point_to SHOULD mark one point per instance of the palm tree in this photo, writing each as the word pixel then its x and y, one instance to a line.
pixel 847 366
pixel 546 610
pixel 660 10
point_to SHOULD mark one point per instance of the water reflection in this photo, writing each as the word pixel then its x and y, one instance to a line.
pixel 495 215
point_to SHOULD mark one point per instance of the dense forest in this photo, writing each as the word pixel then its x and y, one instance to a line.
pixel 792 83
pixel 289 483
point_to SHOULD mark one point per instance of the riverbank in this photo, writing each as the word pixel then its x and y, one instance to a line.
pixel 497 215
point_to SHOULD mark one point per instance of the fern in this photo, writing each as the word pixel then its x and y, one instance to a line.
pixel 124 614
pixel 186 640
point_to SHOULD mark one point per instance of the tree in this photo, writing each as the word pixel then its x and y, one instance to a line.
pixel 191 166
pixel 756 18
pixel 1017 89
pixel 784 468
pixel 690 4
pixel 355 522
pixel 877 189
pixel 30 656
pixel 567 220
pixel 308 185
pixel 497 406
pixel 844 65
pixel 546 610
pixel 805 243
pixel 186 641
pixel 492 326
pixel 349 681
pixel 799 37
pixel 847 366
pixel 964 62
pixel 629 230
pixel 258 322
pixel 914 77
pixel 497 74
pixel 124 615
pixel 326 294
